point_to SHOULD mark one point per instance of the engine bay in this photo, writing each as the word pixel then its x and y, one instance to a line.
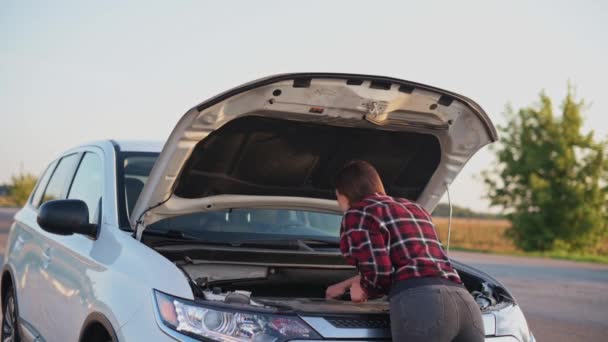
pixel 297 288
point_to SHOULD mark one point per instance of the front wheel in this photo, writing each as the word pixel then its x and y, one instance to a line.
pixel 10 332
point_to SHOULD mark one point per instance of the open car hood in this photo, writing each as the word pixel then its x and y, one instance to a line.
pixel 277 142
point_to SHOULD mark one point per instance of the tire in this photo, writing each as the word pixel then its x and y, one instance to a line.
pixel 10 332
pixel 96 333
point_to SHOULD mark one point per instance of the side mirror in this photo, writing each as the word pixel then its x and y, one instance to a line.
pixel 66 217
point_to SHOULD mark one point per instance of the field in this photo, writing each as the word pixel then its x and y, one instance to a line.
pixel 5 202
pixel 488 235
pixel 485 235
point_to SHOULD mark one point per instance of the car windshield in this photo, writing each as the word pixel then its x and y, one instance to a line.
pixel 248 225
pixel 226 225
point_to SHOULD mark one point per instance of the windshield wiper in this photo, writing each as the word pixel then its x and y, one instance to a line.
pixel 173 234
pixel 303 244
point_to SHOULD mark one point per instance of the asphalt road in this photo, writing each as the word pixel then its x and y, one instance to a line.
pixel 562 300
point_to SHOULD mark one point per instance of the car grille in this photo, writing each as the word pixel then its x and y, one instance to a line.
pixel 359 323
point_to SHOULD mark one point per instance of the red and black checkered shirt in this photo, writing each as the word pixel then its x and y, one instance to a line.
pixel 392 239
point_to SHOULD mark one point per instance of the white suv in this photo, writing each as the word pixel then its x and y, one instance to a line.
pixel 230 233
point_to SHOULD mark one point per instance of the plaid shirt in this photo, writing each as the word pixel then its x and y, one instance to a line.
pixel 391 239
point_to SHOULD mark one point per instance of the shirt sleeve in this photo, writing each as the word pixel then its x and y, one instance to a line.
pixel 364 246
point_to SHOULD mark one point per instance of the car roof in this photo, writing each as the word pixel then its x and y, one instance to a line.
pixel 139 145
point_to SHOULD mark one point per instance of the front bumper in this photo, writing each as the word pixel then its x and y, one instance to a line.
pixel 505 324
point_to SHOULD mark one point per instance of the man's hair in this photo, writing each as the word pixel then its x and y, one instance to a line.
pixel 358 179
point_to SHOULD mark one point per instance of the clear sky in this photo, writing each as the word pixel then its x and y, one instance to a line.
pixel 74 71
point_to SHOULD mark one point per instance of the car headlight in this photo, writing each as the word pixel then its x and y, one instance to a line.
pixel 223 324
pixel 510 321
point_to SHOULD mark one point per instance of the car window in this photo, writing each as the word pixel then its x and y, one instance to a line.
pixel 42 184
pixel 60 178
pixel 88 184
pixel 136 171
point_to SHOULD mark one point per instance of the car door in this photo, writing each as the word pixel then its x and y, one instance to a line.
pixel 29 249
pixel 24 254
pixel 68 283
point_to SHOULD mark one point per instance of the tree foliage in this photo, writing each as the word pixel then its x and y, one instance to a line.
pixel 551 179
pixel 21 186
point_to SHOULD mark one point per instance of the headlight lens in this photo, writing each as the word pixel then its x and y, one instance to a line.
pixel 220 324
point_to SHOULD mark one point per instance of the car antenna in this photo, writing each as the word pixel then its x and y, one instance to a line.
pixel 447 189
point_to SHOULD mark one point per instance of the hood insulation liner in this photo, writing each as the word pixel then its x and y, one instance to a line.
pixel 268 156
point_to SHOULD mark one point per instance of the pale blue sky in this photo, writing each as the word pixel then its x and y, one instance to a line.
pixel 74 71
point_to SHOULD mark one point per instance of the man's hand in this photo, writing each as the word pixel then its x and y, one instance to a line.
pixel 335 290
pixel 357 294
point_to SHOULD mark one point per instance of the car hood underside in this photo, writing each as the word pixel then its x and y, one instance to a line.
pixel 277 142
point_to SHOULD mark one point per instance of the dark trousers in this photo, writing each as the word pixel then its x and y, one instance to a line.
pixel 435 313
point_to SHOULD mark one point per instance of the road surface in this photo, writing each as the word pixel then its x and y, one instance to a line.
pixel 562 300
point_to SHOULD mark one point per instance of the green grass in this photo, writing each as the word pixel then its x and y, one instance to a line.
pixel 596 259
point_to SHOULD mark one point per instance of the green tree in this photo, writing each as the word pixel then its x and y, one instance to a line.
pixel 551 179
pixel 21 186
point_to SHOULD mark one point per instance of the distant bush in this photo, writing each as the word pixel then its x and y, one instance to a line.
pixel 20 187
